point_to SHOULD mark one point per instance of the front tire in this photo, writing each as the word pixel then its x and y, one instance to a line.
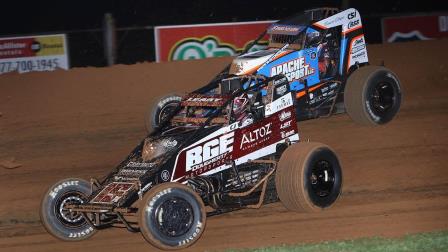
pixel 372 95
pixel 59 222
pixel 308 177
pixel 172 216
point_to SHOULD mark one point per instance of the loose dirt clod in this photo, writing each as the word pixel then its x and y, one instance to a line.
pixel 10 163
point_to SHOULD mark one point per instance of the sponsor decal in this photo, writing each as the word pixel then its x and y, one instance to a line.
pixel 169 143
pixel 280 81
pixel 354 23
pixel 139 165
pixel 208 154
pixel 131 172
pixel 358 55
pixel 351 15
pixel 165 175
pixel 284 29
pixel 55 190
pixel 359 41
pixel 358 45
pixel 334 20
pixel 286 124
pixel 113 192
pixel 287 133
pixel 281 90
pixel 294 69
pixel 122 178
pixel 358 52
pixel 203 99
pixel 234 126
pixel 279 104
pixel 284 115
pixel 257 135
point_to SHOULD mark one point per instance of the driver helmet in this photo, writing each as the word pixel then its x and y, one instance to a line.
pixel 240 103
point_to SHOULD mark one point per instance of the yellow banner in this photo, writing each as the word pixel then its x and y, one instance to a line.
pixel 49 45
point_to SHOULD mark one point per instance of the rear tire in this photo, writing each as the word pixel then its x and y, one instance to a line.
pixel 64 224
pixel 172 216
pixel 372 95
pixel 308 177
pixel 158 112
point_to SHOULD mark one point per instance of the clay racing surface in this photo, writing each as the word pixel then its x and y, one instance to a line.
pixel 83 122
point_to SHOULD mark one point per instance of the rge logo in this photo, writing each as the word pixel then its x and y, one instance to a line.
pixel 209 152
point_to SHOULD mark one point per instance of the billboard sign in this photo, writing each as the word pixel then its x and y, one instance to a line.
pixel 409 28
pixel 33 53
pixel 183 42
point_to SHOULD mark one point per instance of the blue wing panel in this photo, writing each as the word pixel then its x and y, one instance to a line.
pixel 296 66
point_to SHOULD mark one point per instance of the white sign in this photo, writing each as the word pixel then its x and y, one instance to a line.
pixel 33 53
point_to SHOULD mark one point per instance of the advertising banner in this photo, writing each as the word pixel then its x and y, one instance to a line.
pixel 33 53
pixel 409 28
pixel 185 42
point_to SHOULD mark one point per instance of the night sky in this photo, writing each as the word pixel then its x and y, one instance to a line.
pixel 28 17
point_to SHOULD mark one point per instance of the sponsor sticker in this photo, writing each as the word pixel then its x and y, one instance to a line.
pixel 294 69
pixel 139 165
pixel 284 115
pixel 165 175
pixel 210 152
pixel 287 133
pixel 279 104
pixel 257 135
pixel 286 124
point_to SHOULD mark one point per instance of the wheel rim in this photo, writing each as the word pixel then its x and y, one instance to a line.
pixel 166 111
pixel 322 178
pixel 66 216
pixel 382 98
pixel 174 217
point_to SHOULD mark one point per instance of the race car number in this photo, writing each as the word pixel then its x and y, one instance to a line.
pixel 113 192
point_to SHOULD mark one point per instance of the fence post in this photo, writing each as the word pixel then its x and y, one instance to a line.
pixel 109 39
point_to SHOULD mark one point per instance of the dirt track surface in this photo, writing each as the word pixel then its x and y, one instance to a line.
pixel 83 122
